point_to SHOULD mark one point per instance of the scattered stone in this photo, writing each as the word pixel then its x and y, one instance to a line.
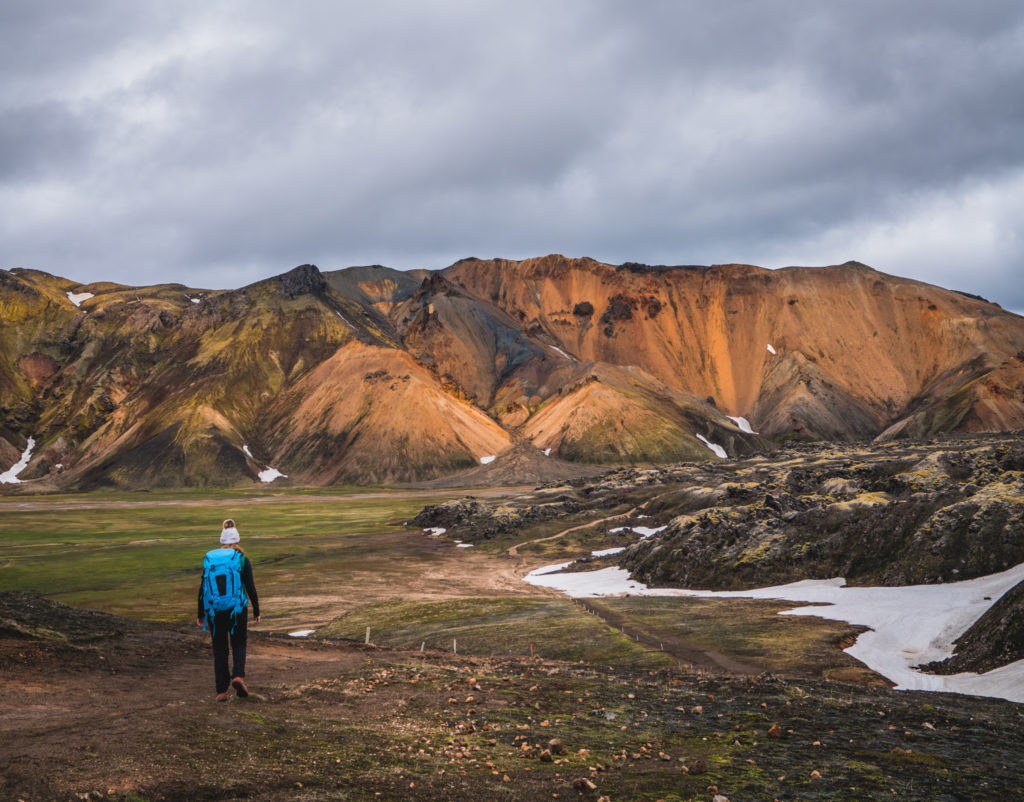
pixel 583 784
pixel 545 756
pixel 775 731
pixel 556 746
pixel 815 775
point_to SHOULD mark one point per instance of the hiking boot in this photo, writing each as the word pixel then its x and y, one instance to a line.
pixel 239 685
pixel 222 697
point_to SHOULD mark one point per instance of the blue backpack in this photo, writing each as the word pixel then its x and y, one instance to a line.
pixel 223 590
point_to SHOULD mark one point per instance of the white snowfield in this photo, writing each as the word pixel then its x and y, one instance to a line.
pixel 301 633
pixel 77 297
pixel 10 476
pixel 743 423
pixel 559 350
pixel 270 474
pixel 435 531
pixel 486 460
pixel 645 531
pixel 909 625
pixel 770 349
pixel 719 451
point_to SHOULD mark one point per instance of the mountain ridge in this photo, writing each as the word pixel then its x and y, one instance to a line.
pixel 370 375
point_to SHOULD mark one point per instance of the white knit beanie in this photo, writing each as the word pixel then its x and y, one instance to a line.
pixel 228 536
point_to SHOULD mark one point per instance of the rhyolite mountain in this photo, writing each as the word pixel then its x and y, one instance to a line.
pixel 375 375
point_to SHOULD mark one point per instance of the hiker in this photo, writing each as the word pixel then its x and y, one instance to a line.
pixel 224 594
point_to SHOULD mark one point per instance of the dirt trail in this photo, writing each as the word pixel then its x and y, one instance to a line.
pixel 687 652
pixel 514 550
pixel 96 705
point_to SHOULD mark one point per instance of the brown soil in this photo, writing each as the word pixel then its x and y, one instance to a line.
pixel 524 465
pixel 86 718
pixel 132 716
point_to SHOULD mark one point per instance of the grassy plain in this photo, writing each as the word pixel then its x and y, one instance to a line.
pixel 556 628
pixel 141 556
pixel 348 557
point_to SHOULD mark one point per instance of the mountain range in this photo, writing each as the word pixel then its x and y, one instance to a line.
pixel 374 375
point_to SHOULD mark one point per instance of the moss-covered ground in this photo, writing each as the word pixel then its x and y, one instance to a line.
pixel 550 627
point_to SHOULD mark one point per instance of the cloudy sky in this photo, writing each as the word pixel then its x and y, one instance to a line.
pixel 217 143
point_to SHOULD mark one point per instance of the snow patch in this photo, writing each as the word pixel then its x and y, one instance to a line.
pixel 770 349
pixel 248 453
pixel 301 633
pixel 77 297
pixel 647 531
pixel 909 625
pixel 559 350
pixel 544 570
pixel 486 460
pixel 716 448
pixel 607 552
pixel 463 545
pixel 435 531
pixel 743 423
pixel 10 476
pixel 343 319
pixel 547 452
pixel 270 474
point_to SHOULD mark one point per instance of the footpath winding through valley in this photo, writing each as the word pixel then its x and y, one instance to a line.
pixel 690 654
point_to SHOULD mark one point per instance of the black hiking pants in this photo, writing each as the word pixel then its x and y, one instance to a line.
pixel 223 637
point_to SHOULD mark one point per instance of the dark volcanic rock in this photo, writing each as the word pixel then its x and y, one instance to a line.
pixel 30 615
pixel 937 516
pixel 995 639
pixel 302 279
pixel 476 521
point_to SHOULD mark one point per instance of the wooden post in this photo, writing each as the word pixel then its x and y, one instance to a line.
pixel 455 646
pixel 367 635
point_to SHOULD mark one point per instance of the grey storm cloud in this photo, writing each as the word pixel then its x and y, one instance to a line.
pixel 217 143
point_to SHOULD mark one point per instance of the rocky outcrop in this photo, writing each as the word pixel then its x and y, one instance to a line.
pixel 475 521
pixel 934 516
pixel 995 639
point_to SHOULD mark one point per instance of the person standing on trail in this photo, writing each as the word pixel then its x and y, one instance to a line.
pixel 224 595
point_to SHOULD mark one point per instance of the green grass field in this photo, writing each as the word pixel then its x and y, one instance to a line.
pixel 141 557
pixel 340 561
